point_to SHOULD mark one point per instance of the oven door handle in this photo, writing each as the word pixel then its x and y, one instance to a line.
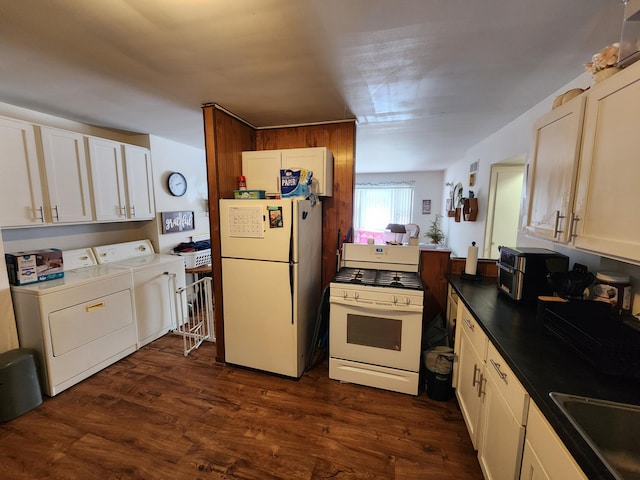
pixel 371 305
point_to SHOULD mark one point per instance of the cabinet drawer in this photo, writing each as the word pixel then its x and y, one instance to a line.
pixel 507 384
pixel 548 451
pixel 474 332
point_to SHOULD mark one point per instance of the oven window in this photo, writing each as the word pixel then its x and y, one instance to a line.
pixel 375 332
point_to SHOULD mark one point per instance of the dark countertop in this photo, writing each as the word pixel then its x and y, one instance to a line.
pixel 543 364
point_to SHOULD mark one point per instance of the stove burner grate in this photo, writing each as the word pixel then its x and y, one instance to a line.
pixel 380 278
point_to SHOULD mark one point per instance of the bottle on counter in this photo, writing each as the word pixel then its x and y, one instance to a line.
pixel 242 182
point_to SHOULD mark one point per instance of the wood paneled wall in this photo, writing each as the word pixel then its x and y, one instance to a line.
pixel 226 138
pixel 337 211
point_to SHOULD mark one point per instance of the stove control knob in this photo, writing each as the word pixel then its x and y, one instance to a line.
pixel 345 294
pixel 407 301
pixel 356 295
pixel 394 299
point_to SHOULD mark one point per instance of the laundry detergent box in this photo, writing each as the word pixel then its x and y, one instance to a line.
pixel 34 266
pixel 295 183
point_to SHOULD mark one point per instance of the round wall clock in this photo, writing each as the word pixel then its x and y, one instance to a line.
pixel 177 184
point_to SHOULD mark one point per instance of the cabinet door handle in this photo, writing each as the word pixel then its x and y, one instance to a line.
pixel 555 228
pixel 573 224
pixel 133 210
pixel 476 370
pixel 41 217
pixel 501 374
pixel 469 324
pixel 56 213
pixel 481 383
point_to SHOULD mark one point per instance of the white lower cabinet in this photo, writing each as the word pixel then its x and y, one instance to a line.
pixel 513 439
pixel 504 416
pixel 545 456
pixel 470 353
pixel 493 403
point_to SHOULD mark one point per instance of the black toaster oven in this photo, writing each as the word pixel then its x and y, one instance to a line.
pixel 522 271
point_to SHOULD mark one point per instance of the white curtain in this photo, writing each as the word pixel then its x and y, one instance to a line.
pixel 378 205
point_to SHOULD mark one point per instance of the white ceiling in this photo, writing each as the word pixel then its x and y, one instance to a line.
pixel 426 79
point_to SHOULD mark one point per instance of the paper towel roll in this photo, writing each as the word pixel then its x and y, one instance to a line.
pixel 471 266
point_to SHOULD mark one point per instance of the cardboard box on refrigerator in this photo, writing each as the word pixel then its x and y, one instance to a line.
pixel 34 266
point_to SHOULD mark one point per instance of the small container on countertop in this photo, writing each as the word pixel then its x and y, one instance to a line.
pixel 613 288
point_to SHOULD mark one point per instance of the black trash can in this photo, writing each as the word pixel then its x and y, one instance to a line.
pixel 438 362
pixel 19 385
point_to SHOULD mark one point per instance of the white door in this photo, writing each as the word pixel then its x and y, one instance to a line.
pixel 259 329
pixel 504 208
pixel 21 190
pixel 67 175
pixel 140 201
pixel 553 170
pixel 319 160
pixel 262 170
pixel 607 193
pixel 256 229
pixel 376 334
pixel 499 450
pixel 470 366
pixel 107 179
pixel 155 299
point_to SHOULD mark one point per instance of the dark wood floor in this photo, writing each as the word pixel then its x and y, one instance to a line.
pixel 159 415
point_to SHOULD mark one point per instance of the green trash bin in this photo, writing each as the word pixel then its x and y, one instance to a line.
pixel 19 385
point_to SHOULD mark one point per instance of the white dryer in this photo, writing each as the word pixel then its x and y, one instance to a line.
pixel 156 278
pixel 80 323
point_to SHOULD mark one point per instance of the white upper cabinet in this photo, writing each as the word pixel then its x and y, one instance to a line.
pixel 66 176
pixel 139 182
pixel 553 171
pixel 122 181
pixel 608 193
pixel 107 179
pixel 319 160
pixel 20 185
pixel 262 168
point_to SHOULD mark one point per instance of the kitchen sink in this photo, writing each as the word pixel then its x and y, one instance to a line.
pixel 611 429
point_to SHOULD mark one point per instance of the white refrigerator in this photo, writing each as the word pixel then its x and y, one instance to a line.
pixel 271 276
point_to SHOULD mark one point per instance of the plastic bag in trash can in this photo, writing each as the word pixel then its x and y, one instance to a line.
pixel 439 359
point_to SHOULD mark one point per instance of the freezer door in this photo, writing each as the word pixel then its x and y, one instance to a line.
pixel 256 229
pixel 307 231
pixel 260 329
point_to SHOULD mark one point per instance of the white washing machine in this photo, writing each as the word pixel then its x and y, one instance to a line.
pixel 80 323
pixel 156 277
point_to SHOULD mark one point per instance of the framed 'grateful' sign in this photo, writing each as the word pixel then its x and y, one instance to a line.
pixel 177 221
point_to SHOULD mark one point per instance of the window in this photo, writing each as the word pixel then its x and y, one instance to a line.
pixel 376 206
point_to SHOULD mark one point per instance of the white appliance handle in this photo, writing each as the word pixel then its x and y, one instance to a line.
pixel 371 305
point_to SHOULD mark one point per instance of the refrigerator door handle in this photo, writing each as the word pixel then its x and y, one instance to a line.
pixel 291 290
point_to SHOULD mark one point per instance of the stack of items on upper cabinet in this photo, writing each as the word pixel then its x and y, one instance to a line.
pixel 290 172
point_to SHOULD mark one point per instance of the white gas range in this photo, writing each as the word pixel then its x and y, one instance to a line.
pixel 376 303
